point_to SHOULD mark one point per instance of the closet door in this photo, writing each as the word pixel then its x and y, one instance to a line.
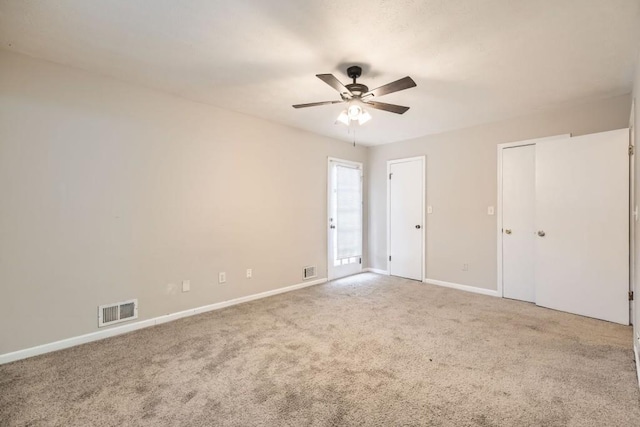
pixel 518 222
pixel 582 240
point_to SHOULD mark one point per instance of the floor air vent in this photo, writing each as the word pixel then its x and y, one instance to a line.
pixel 309 272
pixel 119 312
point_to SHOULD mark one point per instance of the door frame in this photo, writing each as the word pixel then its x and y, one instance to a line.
pixel 633 217
pixel 499 234
pixel 328 212
pixel 423 160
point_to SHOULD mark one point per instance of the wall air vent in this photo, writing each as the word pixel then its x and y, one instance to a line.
pixel 110 314
pixel 309 272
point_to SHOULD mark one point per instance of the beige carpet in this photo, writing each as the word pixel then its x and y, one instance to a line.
pixel 366 350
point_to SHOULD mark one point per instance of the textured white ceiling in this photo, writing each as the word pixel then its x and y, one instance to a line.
pixel 474 61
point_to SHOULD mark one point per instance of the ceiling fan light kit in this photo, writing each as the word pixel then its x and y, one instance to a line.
pixel 364 117
pixel 357 95
pixel 354 113
pixel 344 118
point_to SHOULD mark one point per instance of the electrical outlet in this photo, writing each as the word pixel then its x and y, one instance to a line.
pixel 249 273
pixel 186 285
pixel 465 267
pixel 222 277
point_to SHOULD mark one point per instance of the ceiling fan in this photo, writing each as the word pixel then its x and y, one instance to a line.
pixel 358 95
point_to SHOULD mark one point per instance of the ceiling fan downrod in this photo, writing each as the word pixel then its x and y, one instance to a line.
pixel 354 72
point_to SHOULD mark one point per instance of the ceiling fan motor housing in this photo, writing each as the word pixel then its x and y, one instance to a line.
pixel 356 89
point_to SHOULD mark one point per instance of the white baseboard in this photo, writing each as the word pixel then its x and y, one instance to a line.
pixel 123 329
pixel 377 271
pixel 465 288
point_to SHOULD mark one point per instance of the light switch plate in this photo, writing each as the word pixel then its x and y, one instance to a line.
pixel 429 209
pixel 186 285
pixel 490 210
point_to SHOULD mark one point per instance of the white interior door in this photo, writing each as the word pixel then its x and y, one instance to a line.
pixel 518 222
pixel 406 218
pixel 582 247
pixel 344 218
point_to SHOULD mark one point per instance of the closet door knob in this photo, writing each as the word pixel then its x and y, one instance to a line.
pixel 418 227
pixel 541 233
pixel 507 231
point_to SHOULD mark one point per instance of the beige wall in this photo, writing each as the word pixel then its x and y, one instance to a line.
pixel 461 184
pixel 111 191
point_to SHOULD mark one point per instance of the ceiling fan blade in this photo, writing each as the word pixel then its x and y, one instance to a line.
pixel 335 83
pixel 315 104
pixel 398 109
pixel 402 84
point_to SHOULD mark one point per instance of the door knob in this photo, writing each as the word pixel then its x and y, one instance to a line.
pixel 507 231
pixel 332 226
pixel 418 226
pixel 541 233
